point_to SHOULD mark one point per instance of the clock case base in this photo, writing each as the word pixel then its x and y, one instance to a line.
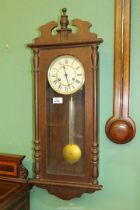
pixel 66 191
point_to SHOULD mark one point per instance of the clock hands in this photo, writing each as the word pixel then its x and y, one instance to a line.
pixel 66 76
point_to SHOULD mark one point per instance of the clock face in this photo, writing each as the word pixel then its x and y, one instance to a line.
pixel 66 74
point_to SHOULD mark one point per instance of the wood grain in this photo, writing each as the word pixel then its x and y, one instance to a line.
pixel 120 128
pixel 51 121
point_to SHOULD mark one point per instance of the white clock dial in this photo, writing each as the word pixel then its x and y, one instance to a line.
pixel 66 74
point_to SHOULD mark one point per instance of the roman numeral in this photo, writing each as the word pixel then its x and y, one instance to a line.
pixel 53 75
pixel 60 86
pixel 77 81
pixel 79 75
pixel 55 81
pixel 66 62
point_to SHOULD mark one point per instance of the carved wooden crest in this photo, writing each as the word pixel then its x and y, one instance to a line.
pixel 52 33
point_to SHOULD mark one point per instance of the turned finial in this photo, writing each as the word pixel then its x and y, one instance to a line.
pixel 64 19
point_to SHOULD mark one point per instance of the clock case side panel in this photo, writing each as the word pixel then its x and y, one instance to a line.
pixel 72 185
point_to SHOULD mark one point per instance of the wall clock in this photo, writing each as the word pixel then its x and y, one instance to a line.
pixel 66 108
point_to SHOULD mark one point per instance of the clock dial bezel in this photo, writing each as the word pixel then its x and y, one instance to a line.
pixel 66 74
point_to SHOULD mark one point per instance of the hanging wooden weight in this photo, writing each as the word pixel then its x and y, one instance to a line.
pixel 120 128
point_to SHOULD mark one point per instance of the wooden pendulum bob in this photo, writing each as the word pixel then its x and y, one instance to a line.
pixel 120 128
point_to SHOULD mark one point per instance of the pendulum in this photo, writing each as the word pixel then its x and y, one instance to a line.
pixel 71 151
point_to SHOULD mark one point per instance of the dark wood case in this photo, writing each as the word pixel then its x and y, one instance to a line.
pixel 66 181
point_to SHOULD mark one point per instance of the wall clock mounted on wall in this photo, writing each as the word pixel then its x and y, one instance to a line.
pixel 66 108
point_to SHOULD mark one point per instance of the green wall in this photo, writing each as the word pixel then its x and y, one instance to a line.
pixel 119 164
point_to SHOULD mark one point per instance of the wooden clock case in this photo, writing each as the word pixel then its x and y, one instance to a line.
pixel 64 181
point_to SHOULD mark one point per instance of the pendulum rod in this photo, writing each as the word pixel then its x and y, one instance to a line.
pixel 71 120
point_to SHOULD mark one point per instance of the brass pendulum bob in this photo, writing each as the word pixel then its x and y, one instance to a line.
pixel 71 152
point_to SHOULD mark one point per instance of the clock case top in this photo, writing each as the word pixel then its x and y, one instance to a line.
pixel 55 41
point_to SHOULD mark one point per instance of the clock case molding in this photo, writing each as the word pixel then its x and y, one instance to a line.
pixel 65 41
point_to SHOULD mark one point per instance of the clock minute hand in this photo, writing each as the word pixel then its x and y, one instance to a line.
pixel 66 75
